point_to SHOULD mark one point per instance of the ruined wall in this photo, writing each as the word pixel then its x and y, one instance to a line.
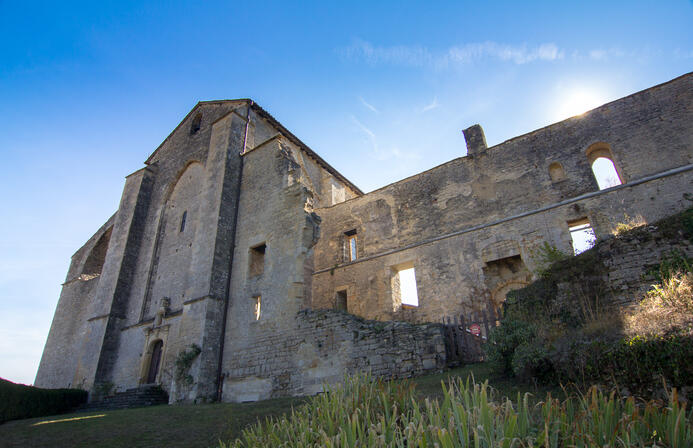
pixel 320 347
pixel 630 259
pixel 452 221
pixel 60 363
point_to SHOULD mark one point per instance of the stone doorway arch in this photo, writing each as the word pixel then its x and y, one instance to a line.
pixel 500 292
pixel 155 355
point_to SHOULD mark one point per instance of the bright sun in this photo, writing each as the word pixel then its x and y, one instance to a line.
pixel 577 102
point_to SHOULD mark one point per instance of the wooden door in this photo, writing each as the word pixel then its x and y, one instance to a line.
pixel 154 363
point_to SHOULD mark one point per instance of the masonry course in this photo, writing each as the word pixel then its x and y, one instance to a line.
pixel 172 268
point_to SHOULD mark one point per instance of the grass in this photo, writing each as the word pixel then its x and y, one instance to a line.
pixel 429 386
pixel 199 425
pixel 155 426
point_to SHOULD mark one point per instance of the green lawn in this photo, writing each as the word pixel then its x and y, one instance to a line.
pixel 191 425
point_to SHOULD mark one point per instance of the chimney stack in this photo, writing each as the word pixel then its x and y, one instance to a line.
pixel 476 141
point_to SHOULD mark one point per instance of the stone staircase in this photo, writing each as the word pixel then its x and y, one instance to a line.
pixel 148 395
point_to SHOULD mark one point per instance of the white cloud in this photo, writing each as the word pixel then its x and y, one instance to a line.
pixel 368 105
pixel 378 153
pixel 683 54
pixel 516 54
pixel 417 56
pixel 598 55
pixel 399 55
pixel 601 54
pixel 433 105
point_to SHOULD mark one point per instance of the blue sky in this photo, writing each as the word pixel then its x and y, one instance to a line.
pixel 380 89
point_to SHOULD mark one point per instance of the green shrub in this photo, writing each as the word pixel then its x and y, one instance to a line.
pixel 184 361
pixel 675 262
pixel 531 360
pixel 18 401
pixel 370 413
pixel 503 341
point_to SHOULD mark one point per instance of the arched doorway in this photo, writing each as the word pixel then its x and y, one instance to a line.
pixel 154 362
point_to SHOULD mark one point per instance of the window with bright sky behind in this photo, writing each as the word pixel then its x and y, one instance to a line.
pixel 381 90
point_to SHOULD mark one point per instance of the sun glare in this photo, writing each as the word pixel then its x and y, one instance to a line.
pixel 577 102
pixel 73 419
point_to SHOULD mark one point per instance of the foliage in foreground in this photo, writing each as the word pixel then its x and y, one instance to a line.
pixel 19 401
pixel 364 412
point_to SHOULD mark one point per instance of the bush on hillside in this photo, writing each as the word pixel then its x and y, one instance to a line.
pixel 554 335
pixel 18 401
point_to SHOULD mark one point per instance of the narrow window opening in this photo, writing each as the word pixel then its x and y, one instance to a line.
pixel 182 220
pixel 196 123
pixel 257 260
pixel 341 300
pixel 257 301
pixel 404 286
pixel 582 235
pixel 351 245
pixel 605 173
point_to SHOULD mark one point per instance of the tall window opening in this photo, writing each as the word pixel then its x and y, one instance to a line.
pixel 182 220
pixel 404 286
pixel 196 123
pixel 341 300
pixel 604 168
pixel 351 245
pixel 257 260
pixel 582 235
pixel 257 301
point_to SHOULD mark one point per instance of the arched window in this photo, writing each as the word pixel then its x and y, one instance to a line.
pixel 196 123
pixel 556 172
pixel 605 173
pixel 604 168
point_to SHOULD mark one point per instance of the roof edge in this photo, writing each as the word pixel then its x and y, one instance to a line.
pixel 280 127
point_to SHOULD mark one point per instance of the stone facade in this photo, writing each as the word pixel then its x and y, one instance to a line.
pixel 235 230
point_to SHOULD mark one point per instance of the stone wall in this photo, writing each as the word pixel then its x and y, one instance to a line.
pixel 630 259
pixel 321 347
pixel 60 364
pixel 455 221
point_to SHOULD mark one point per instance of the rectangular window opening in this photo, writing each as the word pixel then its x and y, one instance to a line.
pixel 257 301
pixel 404 286
pixel 341 299
pixel 582 235
pixel 257 260
pixel 351 245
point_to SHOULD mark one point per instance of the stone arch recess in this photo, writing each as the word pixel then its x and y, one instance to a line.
pixel 161 228
pixel 94 262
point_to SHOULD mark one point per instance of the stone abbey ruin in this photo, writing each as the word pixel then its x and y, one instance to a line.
pixel 241 266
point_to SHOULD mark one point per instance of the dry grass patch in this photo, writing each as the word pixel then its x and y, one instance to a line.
pixel 666 307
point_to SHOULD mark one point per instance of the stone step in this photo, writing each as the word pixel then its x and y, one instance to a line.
pixel 131 398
